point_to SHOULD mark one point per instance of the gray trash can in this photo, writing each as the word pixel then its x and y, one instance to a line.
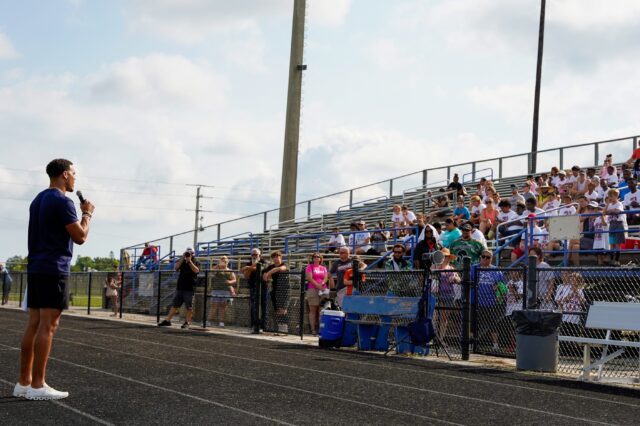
pixel 537 339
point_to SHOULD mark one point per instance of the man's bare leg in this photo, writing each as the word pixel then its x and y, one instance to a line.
pixel 49 319
pixel 26 349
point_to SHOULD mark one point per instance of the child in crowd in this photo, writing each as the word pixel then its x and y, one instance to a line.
pixel 461 213
pixel 601 236
pixel 613 212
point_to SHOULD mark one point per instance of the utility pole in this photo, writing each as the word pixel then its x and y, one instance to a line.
pixel 292 125
pixel 198 219
pixel 536 101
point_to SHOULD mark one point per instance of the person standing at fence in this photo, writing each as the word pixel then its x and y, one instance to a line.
pixel 6 281
pixel 317 277
pixel 189 268
pixel 53 229
pixel 112 284
pixel 336 277
pixel 257 290
pixel 490 292
pixel 280 291
pixel 222 290
pixel 570 298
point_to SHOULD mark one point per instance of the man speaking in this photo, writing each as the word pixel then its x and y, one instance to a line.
pixel 53 228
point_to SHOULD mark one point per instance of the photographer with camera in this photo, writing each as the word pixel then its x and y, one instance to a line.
pixel 189 268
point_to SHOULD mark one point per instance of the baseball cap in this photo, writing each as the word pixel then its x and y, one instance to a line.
pixel 593 204
pixel 513 186
pixel 190 249
pixel 466 227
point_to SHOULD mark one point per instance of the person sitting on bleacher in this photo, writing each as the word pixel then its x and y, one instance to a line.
pixel 623 186
pixel 335 241
pixel 631 201
pixel 397 262
pixel 509 218
pixel 442 209
pixel 466 245
pixel 428 244
pixel 353 228
pixel 336 273
pixel 488 219
pixel 397 218
pixel 461 213
pixel 528 191
pixel 602 190
pixel 148 258
pixel 611 175
pixel 591 193
pixel 409 216
pixel 379 238
pixel 566 209
pixel 476 209
pixel 450 234
pixel 362 238
pixel 580 185
pixel 515 195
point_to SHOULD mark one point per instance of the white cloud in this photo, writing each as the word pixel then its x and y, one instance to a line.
pixel 151 118
pixel 327 13
pixel 386 54
pixel 7 51
pixel 597 104
pixel 590 15
pixel 158 79
pixel 193 21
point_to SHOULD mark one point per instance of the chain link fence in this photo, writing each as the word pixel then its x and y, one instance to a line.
pixel 495 294
pixel 572 291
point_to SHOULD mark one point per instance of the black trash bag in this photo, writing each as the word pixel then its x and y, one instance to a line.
pixel 536 323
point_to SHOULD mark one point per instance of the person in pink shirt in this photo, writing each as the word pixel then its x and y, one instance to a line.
pixel 317 278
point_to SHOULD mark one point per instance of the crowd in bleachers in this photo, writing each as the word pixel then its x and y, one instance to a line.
pixel 469 220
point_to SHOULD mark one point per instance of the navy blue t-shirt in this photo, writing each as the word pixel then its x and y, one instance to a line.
pixel 50 245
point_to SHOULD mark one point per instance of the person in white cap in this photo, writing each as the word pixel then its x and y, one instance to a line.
pixel 189 268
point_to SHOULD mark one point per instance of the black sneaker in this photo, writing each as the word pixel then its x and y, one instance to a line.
pixel 164 323
pixel 185 325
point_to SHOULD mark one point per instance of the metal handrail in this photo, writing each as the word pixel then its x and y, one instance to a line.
pixel 350 205
pixel 473 173
pixel 424 173
pixel 426 186
pixel 275 233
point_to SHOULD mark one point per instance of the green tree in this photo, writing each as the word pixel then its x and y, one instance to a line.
pixel 17 264
pixel 83 263
pixel 105 263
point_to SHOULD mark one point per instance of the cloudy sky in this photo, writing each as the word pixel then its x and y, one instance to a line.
pixel 146 96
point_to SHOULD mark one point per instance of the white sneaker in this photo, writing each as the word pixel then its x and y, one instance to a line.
pixel 20 391
pixel 45 393
pixel 221 324
pixel 283 328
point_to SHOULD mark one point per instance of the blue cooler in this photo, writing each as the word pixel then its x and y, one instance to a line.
pixel 331 327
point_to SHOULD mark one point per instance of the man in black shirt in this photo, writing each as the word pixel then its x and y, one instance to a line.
pixel 189 268
pixel 280 291
pixel 257 289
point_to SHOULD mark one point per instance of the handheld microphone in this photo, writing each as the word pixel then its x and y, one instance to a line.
pixel 80 196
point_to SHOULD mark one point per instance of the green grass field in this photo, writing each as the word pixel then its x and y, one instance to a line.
pixel 78 300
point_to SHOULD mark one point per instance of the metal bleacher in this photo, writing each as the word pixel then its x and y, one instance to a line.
pixel 503 172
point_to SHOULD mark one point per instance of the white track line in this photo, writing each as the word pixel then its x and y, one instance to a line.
pixel 373 364
pixel 68 407
pixel 235 376
pixel 377 365
pixel 340 375
pixel 186 395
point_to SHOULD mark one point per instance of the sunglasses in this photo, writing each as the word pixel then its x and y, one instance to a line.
pixel 485 257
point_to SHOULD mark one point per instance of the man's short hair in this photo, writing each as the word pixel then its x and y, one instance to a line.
pixel 504 203
pixel 398 245
pixel 531 200
pixel 58 166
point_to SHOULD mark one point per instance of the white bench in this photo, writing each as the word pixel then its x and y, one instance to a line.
pixel 607 316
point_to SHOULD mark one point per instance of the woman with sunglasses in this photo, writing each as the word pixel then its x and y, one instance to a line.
pixel 488 218
pixel 317 278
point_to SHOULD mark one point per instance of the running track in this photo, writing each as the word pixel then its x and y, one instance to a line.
pixel 121 373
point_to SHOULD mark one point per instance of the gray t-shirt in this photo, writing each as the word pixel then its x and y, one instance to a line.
pixel 338 268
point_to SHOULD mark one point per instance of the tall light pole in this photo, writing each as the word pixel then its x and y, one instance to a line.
pixel 536 101
pixel 292 125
